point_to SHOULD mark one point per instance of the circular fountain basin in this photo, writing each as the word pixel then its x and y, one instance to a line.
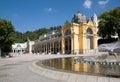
pixel 84 66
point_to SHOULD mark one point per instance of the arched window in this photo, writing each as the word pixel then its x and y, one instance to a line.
pixel 89 38
pixel 18 46
pixel 89 31
pixel 67 32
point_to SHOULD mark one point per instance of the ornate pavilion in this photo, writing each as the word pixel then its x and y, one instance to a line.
pixel 75 37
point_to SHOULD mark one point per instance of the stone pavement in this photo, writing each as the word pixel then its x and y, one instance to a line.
pixel 17 69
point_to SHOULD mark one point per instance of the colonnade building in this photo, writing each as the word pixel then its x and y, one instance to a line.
pixel 76 37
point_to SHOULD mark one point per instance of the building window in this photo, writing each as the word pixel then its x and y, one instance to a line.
pixel 67 32
pixel 18 46
pixel 89 38
pixel 89 31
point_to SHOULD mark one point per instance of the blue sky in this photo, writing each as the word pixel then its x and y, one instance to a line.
pixel 30 15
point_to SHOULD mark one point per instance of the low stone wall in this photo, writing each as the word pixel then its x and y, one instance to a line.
pixel 69 77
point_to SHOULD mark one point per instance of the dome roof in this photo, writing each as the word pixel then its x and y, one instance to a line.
pixel 78 15
pixel 79 18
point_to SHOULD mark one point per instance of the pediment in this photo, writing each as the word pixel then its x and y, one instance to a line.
pixel 67 25
pixel 90 23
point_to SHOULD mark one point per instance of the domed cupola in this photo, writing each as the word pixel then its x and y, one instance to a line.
pixel 79 18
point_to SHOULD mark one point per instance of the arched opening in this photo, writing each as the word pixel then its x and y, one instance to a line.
pixel 89 38
pixel 67 32
pixel 67 45
pixel 18 49
pixel 67 41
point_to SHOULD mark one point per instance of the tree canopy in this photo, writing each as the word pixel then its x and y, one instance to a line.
pixel 109 23
pixel 8 35
pixel 34 35
pixel 6 32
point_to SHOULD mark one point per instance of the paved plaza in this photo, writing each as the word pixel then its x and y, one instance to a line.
pixel 17 69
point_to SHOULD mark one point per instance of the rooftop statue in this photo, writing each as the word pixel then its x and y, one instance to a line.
pixel 95 19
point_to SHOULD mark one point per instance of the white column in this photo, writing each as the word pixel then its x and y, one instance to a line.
pixel 42 48
pixel 13 50
pixel 50 47
pixel 21 51
pixel 0 52
pixel 30 48
pixel 46 49
pixel 59 46
pixel 53 47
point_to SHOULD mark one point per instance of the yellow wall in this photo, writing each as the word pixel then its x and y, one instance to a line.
pixel 79 36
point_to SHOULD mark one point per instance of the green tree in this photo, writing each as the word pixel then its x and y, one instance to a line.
pixel 16 35
pixel 6 32
pixel 109 23
pixel 115 18
pixel 32 35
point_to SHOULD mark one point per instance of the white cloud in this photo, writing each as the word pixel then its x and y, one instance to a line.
pixel 103 2
pixel 87 4
pixel 48 9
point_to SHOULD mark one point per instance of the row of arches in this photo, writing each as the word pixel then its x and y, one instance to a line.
pixel 89 31
pixel 89 39
pixel 48 47
pixel 54 46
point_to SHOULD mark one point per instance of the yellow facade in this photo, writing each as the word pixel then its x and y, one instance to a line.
pixel 80 39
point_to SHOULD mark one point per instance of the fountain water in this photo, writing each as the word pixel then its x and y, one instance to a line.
pixel 112 48
pixel 90 65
